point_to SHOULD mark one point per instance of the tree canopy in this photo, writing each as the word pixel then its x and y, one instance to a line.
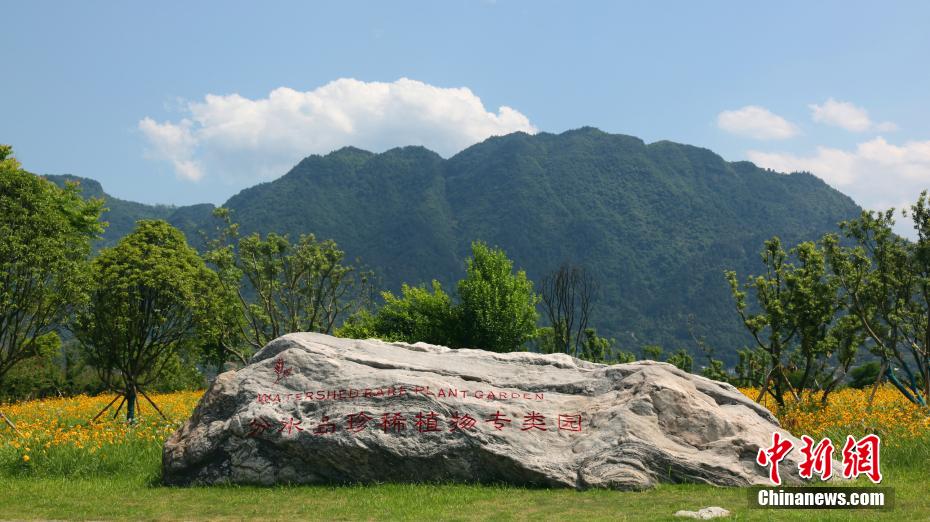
pixel 45 236
pixel 150 295
pixel 496 309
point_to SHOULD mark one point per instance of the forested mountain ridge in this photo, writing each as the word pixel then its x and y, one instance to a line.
pixel 121 215
pixel 656 223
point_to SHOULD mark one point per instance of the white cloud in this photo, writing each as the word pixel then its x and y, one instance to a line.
pixel 885 126
pixel 834 166
pixel 847 116
pixel 756 122
pixel 876 174
pixel 245 139
pixel 173 143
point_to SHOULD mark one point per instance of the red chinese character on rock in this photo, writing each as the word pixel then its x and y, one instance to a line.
pixel 498 419
pixel 393 421
pixel 569 422
pixel 819 459
pixel 773 455
pixel 324 427
pixel 357 421
pixel 861 458
pixel 258 426
pixel 290 426
pixel 465 422
pixel 428 422
pixel 534 421
pixel 280 370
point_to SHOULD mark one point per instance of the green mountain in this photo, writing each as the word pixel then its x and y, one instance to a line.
pixel 657 224
pixel 121 215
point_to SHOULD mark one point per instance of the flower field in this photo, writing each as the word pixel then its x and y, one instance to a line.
pixel 58 438
pixel 896 420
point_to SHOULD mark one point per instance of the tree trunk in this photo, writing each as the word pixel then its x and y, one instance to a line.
pixel 131 405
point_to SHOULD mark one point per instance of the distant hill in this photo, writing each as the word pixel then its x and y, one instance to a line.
pixel 656 223
pixel 121 215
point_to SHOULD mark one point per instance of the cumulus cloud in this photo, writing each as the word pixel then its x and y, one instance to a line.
pixel 756 122
pixel 876 174
pixel 847 116
pixel 174 143
pixel 249 139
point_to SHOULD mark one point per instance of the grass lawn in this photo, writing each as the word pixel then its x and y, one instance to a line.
pixel 132 499
pixel 64 468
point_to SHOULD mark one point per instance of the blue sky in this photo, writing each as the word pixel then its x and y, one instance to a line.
pixel 172 102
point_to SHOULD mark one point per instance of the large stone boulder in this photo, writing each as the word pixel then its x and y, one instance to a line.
pixel 311 408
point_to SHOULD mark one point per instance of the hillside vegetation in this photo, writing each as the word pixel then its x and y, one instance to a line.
pixel 657 224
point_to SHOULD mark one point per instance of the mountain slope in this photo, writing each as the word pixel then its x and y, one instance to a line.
pixel 657 224
pixel 121 215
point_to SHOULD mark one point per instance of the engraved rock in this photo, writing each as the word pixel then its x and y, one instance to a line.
pixel 312 409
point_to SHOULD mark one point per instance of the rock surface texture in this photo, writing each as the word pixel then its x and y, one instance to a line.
pixel 707 513
pixel 311 408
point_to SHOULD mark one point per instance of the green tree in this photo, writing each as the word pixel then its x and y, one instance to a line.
pixel 417 315
pixel 864 375
pixel 886 282
pixel 625 357
pixel 682 360
pixel 652 352
pixel 151 294
pixel 842 344
pixel 771 327
pixel 716 371
pixel 751 367
pixel 45 236
pixel 595 348
pixel 496 309
pixel 498 306
pixel 813 305
pixel 796 305
pixel 273 286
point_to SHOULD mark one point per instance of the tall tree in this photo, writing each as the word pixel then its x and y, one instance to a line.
pixel 792 321
pixel 771 327
pixel 150 295
pixel 498 306
pixel 282 287
pixel 45 235
pixel 813 305
pixel 886 280
pixel 567 296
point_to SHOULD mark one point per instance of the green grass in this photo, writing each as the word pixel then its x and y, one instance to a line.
pixel 135 495
pixel 128 499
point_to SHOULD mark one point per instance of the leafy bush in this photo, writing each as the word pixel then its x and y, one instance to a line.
pixel 864 375
pixel 417 315
pixel 496 309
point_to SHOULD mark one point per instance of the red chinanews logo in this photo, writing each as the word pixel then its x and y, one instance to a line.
pixel 860 457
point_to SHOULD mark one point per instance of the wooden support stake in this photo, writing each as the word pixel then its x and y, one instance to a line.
pixel 107 407
pixel 10 424
pixel 878 381
pixel 152 403
pixel 120 407
pixel 765 385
